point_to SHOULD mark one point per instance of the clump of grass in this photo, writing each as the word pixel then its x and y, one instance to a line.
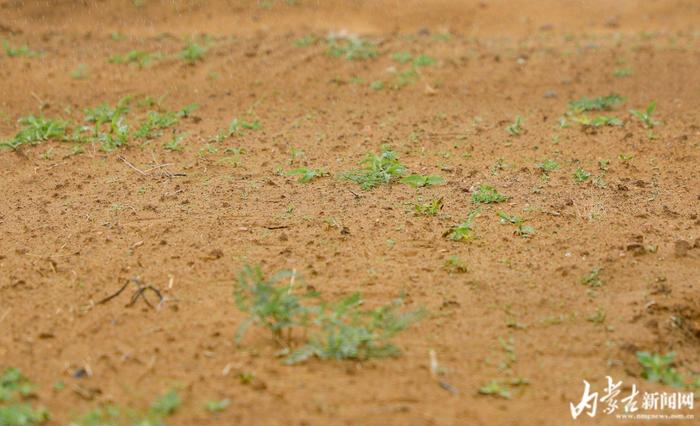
pixel 333 330
pixel 646 115
pixel 581 175
pixel 306 174
pixel 418 181
pixel 601 103
pixel 431 208
pixel 377 170
pixel 486 194
pixel 139 58
pixel 592 279
pixel 601 120
pixel 463 231
pixel 35 130
pixel 516 127
pixel 352 48
pixel 659 368
pixel 192 52
pixel 15 391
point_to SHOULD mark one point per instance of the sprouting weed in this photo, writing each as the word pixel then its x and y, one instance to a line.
pixel 592 279
pixel 136 57
pixel 174 144
pixel 515 128
pixel 377 170
pixel 431 208
pixel 601 120
pixel 35 130
pixel 485 194
pixel 192 52
pixel 353 48
pixel 463 231
pixel 581 175
pixel 418 181
pixel 646 115
pixel 306 174
pixel 601 103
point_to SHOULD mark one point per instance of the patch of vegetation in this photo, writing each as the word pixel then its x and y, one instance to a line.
pixel 15 391
pixel 139 58
pixel 217 406
pixel 601 120
pixel 431 208
pixel 14 52
pixel 377 170
pixel 353 48
pixel 418 181
pixel 592 279
pixel 192 52
pixel 516 127
pixel 502 388
pixel 333 330
pixel 601 103
pixel 306 174
pixel 35 130
pixel 659 368
pixel 174 144
pixel 646 116
pixel 111 415
pixel 581 175
pixel 486 194
pixel 521 229
pixel 463 231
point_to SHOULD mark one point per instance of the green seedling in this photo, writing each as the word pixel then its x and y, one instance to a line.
pixel 455 265
pixel 521 229
pixel 14 52
pixel 306 41
pixel 601 103
pixel 515 128
pixel 306 174
pixel 402 57
pixel 139 58
pixel 431 208
pixel 377 170
pixel 646 115
pixel 592 279
pixel 345 331
pixel 659 368
pixel 353 48
pixel 270 304
pixel 625 158
pixel 174 144
pixel 167 404
pixel 581 175
pixel 418 181
pixel 187 110
pixel 193 52
pixel 622 72
pixel 15 391
pixel 486 194
pixel 463 231
pixel 217 406
pixel 80 72
pixel 155 122
pixel 35 130
pixel 598 121
pixel 424 61
pixel 547 166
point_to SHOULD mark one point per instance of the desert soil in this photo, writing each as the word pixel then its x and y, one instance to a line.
pixel 75 226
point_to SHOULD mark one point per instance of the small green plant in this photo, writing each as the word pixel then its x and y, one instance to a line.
pixel 353 48
pixel 502 388
pixel 431 208
pixel 217 406
pixel 192 52
pixel 107 415
pixel 521 229
pixel 377 170
pixel 516 127
pixel 485 194
pixel 270 304
pixel 174 144
pixel 306 174
pixel 601 103
pixel 167 404
pixel 80 72
pixel 345 331
pixel 659 368
pixel 139 58
pixel 455 265
pixel 547 166
pixel 646 115
pixel 581 175
pixel 592 279
pixel 15 390
pixel 622 72
pixel 418 181
pixel 154 123
pixel 424 61
pixel 463 231
pixel 14 52
pixel 35 130
pixel 601 120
